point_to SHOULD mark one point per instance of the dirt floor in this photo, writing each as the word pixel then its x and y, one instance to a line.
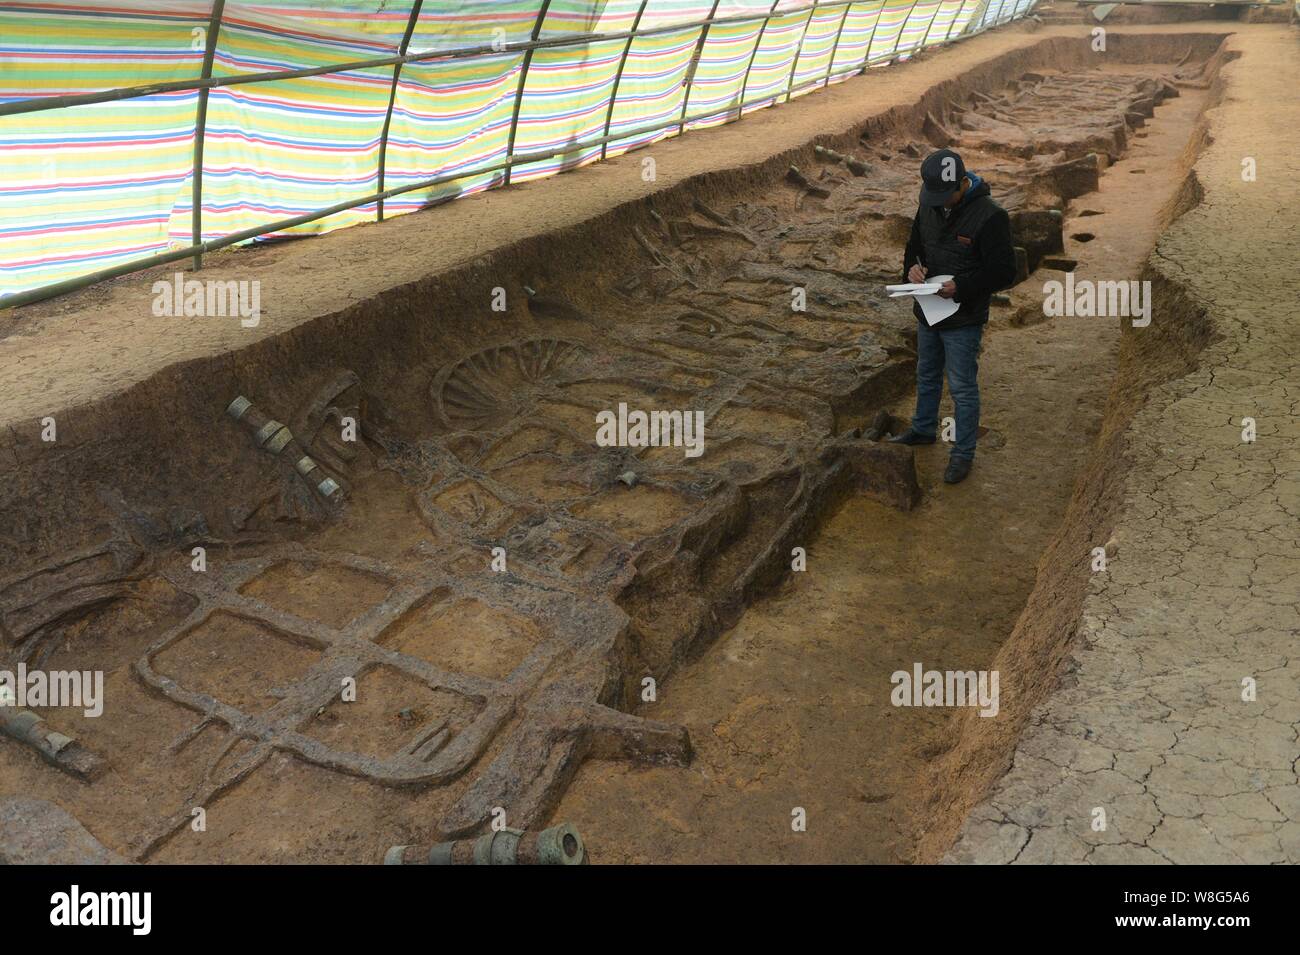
pixel 483 688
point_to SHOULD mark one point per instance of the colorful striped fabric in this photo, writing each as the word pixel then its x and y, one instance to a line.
pixel 816 48
pixel 917 25
pixel 88 187
pixel 854 44
pixel 1003 11
pixel 770 71
pixel 650 93
pixel 720 71
pixel 889 30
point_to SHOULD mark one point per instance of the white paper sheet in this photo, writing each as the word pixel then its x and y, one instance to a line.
pixel 934 307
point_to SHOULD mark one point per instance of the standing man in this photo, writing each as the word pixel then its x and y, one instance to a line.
pixel 959 231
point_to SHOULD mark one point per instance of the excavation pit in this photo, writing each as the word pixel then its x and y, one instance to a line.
pixel 328 594
pixel 238 661
pixel 465 636
pixel 496 587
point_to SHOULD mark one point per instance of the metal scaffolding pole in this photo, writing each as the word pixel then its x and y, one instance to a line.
pixel 392 98
pixel 929 26
pixel 948 33
pixel 753 55
pixel 200 128
pixel 618 77
pixel 872 39
pixel 835 49
pixel 898 37
pixel 523 80
pixel 694 64
pixel 798 53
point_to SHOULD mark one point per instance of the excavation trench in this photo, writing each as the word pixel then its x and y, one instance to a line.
pixel 469 622
pixel 791 711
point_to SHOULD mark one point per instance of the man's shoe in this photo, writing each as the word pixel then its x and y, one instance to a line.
pixel 911 437
pixel 957 470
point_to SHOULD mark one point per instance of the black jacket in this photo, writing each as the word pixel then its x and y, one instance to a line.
pixel 972 244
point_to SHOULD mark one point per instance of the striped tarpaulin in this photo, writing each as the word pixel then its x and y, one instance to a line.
pixel 88 186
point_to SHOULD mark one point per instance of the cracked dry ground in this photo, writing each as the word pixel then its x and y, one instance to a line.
pixel 1204 589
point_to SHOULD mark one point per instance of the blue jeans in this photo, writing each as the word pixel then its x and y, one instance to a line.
pixel 957 350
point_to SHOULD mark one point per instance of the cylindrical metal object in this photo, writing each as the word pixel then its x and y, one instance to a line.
pixel 267 431
pixel 279 440
pixel 26 727
pixel 238 407
pixel 54 747
pixel 276 437
pixel 558 845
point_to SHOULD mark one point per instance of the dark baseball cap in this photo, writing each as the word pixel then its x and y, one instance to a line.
pixel 941 175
